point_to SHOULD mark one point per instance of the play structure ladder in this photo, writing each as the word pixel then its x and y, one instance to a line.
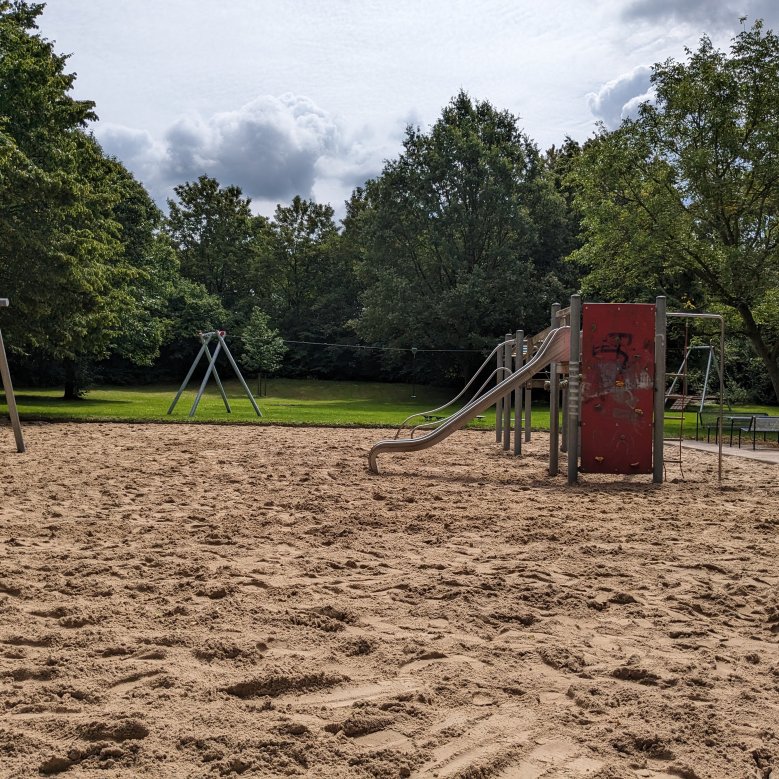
pixel 680 401
pixel 679 404
pixel 677 415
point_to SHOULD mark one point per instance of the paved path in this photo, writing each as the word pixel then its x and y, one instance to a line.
pixel 765 455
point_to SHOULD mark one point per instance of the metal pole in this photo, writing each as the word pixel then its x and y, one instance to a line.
pixel 721 393
pixel 519 359
pixel 221 390
pixel 414 372
pixel 706 381
pixel 554 413
pixel 238 374
pixel 528 409
pixel 499 401
pixel 13 413
pixel 507 397
pixel 659 410
pixel 573 390
pixel 212 360
pixel 189 375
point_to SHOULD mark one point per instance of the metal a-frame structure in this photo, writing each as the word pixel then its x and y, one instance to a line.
pixel 701 398
pixel 5 376
pixel 205 349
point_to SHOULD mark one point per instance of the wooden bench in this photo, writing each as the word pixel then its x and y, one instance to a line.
pixel 760 424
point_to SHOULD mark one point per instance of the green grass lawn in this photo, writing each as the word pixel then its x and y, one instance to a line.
pixel 289 401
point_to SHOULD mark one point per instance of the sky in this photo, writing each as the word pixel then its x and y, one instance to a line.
pixel 310 97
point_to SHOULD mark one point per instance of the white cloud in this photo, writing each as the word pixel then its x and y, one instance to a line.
pixel 620 98
pixel 630 109
pixel 137 149
pixel 272 147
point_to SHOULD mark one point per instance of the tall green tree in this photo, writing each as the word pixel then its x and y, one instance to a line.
pixel 311 292
pixel 62 257
pixel 151 271
pixel 558 163
pixel 143 268
pixel 217 238
pixel 460 235
pixel 300 264
pixel 684 199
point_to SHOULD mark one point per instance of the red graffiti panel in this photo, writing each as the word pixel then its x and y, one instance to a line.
pixel 617 390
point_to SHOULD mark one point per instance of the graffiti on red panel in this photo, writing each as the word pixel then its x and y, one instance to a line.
pixel 626 371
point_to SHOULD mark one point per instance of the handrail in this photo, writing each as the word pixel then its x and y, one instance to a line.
pixel 437 422
pixel 556 348
pixel 462 391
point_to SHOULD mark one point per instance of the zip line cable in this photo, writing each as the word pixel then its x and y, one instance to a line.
pixel 412 349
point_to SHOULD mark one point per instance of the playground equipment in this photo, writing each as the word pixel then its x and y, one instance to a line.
pixel 608 361
pixel 554 348
pixel 678 393
pixel 678 396
pixel 5 376
pixel 205 349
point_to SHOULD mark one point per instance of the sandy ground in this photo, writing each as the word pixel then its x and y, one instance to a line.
pixel 214 601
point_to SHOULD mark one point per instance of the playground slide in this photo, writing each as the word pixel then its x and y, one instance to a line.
pixel 555 348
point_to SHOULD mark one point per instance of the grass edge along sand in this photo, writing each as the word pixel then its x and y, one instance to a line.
pixel 288 402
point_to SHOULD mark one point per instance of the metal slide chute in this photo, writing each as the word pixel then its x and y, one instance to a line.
pixel 555 348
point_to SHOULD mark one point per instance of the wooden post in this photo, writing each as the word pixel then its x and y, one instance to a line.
pixel 659 410
pixel 573 390
pixel 554 413
pixel 5 377
pixel 519 359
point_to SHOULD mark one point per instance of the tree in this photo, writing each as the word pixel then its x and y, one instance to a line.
pixel 684 199
pixel 217 238
pixel 263 347
pixel 75 281
pixel 191 309
pixel 146 269
pixel 298 270
pixel 311 291
pixel 459 235
pixel 558 164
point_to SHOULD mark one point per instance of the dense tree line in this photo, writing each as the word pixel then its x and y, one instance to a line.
pixel 471 232
pixel 685 198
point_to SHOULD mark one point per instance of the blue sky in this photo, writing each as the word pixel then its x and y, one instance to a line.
pixel 310 97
